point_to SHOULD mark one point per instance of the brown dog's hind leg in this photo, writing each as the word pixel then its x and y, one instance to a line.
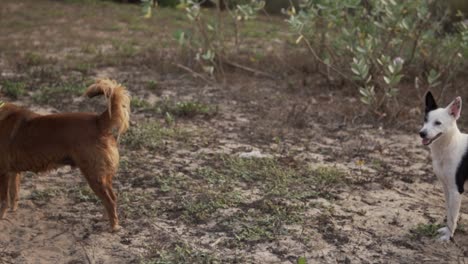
pixel 4 199
pixel 112 209
pixel 14 190
pixel 102 187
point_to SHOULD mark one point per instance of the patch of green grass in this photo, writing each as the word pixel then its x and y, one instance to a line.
pixel 377 164
pixel 212 176
pixel 89 48
pixel 275 178
pixel 34 59
pixel 263 221
pixel 83 193
pixel 188 109
pixel 203 206
pixel 124 49
pixel 256 169
pixel 151 135
pixel 53 93
pixel 83 67
pixel 180 253
pixel 256 231
pixel 427 230
pixel 13 89
pixel 139 103
pixel 45 73
pixel 171 182
pixel 44 195
pixel 137 203
pixel 152 85
pixel 326 176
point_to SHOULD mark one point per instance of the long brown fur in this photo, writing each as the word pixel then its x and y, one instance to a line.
pixel 34 142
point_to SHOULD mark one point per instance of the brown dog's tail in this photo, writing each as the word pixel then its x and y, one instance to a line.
pixel 118 110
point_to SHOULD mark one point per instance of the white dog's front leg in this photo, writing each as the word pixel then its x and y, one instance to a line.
pixel 446 196
pixel 453 210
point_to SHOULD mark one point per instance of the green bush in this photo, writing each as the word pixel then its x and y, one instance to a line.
pixel 209 41
pixel 376 45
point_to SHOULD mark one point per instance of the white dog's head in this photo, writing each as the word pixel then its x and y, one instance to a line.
pixel 439 121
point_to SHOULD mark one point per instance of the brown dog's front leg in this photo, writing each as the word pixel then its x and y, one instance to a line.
pixel 4 199
pixel 14 190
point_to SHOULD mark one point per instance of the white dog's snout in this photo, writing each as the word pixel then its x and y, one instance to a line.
pixel 423 133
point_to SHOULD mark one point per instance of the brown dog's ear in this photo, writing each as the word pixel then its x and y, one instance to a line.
pixel 454 108
pixel 430 102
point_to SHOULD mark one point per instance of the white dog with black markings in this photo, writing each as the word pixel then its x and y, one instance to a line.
pixel 449 155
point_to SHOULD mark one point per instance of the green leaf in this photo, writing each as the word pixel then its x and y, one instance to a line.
pixel 387 80
pixel 361 50
pixel 363 92
pixel 433 78
pixel 355 70
pixel 301 260
pixel 365 100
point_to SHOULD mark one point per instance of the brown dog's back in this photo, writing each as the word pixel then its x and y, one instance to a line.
pixel 54 140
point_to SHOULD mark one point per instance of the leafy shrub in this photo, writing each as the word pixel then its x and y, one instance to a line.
pixel 209 40
pixel 375 46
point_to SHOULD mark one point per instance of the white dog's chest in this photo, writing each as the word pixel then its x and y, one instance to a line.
pixel 445 169
pixel 447 161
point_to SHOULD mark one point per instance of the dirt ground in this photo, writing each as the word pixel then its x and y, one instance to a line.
pixel 255 170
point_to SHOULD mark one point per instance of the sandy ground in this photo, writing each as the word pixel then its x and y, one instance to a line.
pixel 369 222
pixel 264 171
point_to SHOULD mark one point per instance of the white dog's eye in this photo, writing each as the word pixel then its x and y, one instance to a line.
pixel 437 123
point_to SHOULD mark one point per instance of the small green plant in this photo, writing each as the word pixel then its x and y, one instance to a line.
pixel 83 193
pixel 203 206
pixel 13 89
pixel 137 203
pixel 34 59
pixel 427 230
pixel 139 103
pixel 326 176
pixel 44 195
pixel 152 85
pixel 301 260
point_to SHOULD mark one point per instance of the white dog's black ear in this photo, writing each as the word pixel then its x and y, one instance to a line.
pixel 430 102
pixel 454 108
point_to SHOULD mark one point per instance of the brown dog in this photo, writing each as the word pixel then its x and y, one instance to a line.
pixel 33 142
